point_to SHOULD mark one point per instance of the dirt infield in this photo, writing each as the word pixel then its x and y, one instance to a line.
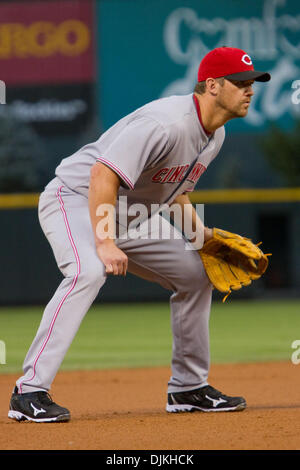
pixel 124 410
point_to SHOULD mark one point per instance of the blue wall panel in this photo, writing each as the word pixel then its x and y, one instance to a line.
pixel 152 48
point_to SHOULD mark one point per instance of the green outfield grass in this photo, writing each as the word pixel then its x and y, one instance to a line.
pixel 137 335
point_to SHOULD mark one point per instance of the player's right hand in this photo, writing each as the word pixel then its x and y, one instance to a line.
pixel 114 259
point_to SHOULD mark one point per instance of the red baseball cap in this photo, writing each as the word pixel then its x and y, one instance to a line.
pixel 230 63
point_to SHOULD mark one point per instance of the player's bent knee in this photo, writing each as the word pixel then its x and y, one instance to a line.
pixel 92 276
pixel 87 277
pixel 193 276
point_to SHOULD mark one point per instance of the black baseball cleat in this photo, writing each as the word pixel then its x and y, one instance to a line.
pixel 203 399
pixel 36 406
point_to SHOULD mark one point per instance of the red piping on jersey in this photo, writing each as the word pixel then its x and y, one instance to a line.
pixel 117 170
pixel 199 115
pixel 58 195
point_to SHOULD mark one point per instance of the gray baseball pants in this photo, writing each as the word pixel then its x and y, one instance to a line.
pixel 64 218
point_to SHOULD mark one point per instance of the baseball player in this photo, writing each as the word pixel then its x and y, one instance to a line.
pixel 152 157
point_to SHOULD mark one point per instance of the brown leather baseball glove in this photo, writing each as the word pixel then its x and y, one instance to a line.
pixel 232 261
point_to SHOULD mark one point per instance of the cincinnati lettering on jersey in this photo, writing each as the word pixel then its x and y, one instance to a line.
pixel 175 174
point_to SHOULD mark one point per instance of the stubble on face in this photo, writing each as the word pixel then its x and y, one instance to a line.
pixel 235 98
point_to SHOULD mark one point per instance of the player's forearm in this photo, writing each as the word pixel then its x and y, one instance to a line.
pixel 103 190
pixel 192 225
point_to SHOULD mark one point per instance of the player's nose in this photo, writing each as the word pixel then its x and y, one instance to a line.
pixel 249 91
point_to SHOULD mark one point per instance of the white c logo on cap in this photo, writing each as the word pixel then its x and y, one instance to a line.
pixel 246 59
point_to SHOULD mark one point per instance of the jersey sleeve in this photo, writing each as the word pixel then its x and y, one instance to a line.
pixel 136 148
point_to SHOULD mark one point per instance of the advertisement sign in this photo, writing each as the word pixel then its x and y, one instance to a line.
pixel 47 60
pixel 271 38
pixel 56 109
pixel 46 42
pixel 156 47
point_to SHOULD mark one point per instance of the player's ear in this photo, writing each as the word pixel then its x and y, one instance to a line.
pixel 212 86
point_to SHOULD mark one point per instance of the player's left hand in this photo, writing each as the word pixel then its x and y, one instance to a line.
pixel 208 233
pixel 232 261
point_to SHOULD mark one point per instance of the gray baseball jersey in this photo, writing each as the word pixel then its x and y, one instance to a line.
pixel 159 151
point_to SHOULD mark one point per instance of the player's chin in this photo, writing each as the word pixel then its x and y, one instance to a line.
pixel 239 111
pixel 245 109
pixel 242 112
